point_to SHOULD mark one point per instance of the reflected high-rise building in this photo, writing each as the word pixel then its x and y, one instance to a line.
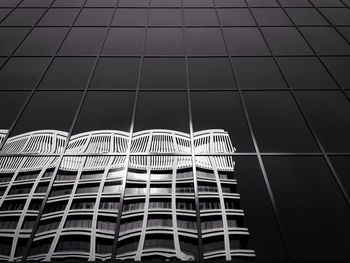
pixel 158 196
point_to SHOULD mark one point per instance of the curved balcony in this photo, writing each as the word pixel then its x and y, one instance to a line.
pixel 113 141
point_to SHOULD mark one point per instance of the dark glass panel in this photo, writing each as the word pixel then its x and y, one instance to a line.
pixel 22 73
pixel 271 17
pixel 221 110
pixel 305 73
pixel 326 41
pixel 219 73
pixel 235 17
pixel 165 17
pixel 163 73
pixel 42 42
pixel 83 41
pixel 338 66
pixel 130 17
pixel 94 17
pixel 59 17
pixel 245 41
pixel 341 165
pixel 10 105
pixel 258 73
pixel 328 112
pixel 306 17
pixel 124 42
pixel 105 111
pixel 68 73
pixel 164 42
pixel 277 123
pixel 162 110
pixel 116 73
pixel 310 206
pixel 204 42
pixel 200 17
pixel 23 17
pixel 10 38
pixel 285 41
pixel 48 110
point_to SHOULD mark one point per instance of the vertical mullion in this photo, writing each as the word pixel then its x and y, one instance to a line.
pixel 245 110
pixel 193 157
pixel 122 194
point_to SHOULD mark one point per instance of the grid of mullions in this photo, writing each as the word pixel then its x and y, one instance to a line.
pixel 87 213
pixel 262 57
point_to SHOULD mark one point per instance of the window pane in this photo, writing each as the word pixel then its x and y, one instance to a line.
pixel 328 112
pixel 258 73
pixel 245 42
pixel 124 42
pixel 204 42
pixel 105 110
pixel 235 17
pixel 219 73
pixel 67 73
pixel 326 41
pixel 162 110
pixel 306 17
pixel 337 16
pixel 271 17
pixel 163 73
pixel 165 17
pixel 342 167
pixel 277 122
pixel 164 42
pixel 304 189
pixel 305 73
pixel 59 17
pixel 23 17
pixel 10 38
pixel 285 41
pixel 83 41
pixel 130 17
pixel 338 66
pixel 200 17
pixel 221 110
pixel 94 17
pixel 52 110
pixel 10 105
pixel 22 73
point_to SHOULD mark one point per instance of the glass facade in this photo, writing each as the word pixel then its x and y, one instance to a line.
pixel 82 84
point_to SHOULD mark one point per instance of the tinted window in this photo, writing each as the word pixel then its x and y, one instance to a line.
pixel 67 73
pixel 116 73
pixel 245 42
pixel 22 73
pixel 220 73
pixel 163 73
pixel 162 110
pixel 258 73
pixel 48 110
pixel 106 110
pixel 221 110
pixel 328 112
pixel 277 122
pixel 304 189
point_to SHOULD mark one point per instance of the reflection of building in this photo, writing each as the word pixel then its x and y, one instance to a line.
pixel 2 135
pixel 143 198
